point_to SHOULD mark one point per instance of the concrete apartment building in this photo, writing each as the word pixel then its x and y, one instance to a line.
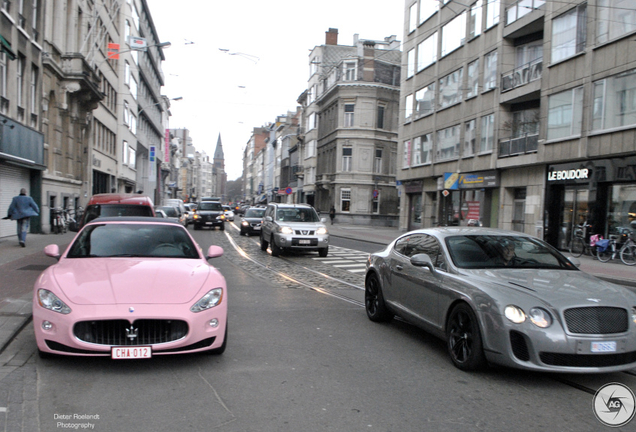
pixel 519 115
pixel 350 128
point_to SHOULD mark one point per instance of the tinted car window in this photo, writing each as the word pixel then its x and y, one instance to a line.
pixel 297 215
pixel 170 211
pixel 254 213
pixel 108 210
pixel 210 205
pixel 421 244
pixel 143 240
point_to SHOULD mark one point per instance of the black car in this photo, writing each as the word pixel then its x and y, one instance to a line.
pixel 209 214
pixel 252 220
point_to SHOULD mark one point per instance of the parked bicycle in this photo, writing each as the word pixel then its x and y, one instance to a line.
pixel 58 225
pixel 623 246
pixel 581 241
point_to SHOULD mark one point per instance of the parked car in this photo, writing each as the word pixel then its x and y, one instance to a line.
pixel 503 297
pixel 160 213
pixel 209 214
pixel 130 288
pixel 229 214
pixel 190 209
pixel 293 227
pixel 173 214
pixel 174 202
pixel 114 204
pixel 252 220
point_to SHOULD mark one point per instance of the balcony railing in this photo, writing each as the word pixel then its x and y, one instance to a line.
pixel 516 146
pixel 522 75
pixel 521 8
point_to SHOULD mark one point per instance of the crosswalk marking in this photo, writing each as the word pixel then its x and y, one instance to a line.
pixel 347 259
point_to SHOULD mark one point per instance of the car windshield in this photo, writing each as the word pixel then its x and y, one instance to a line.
pixel 170 211
pixel 210 205
pixel 495 251
pixel 255 213
pixel 297 215
pixel 133 240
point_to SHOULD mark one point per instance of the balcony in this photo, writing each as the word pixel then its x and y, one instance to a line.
pixel 298 170
pixel 522 75
pixel 521 9
pixel 528 143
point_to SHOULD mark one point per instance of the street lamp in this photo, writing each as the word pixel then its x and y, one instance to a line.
pixel 240 54
pixel 178 98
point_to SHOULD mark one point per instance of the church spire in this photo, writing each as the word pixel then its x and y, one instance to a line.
pixel 218 153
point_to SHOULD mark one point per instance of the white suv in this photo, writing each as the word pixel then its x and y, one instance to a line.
pixel 294 226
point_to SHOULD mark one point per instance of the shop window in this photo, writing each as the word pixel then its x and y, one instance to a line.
pixel 345 200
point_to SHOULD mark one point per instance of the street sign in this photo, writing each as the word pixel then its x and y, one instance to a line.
pixel 288 191
pixel 375 193
pixel 446 193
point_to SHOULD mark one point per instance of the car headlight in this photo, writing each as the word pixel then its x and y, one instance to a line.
pixel 211 299
pixel 321 231
pixel 222 217
pixel 515 314
pixel 196 216
pixel 286 230
pixel 245 223
pixel 50 301
pixel 540 317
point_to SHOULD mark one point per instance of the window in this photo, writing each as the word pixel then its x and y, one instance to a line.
pixel 568 34
pixel 492 13
pixel 525 122
pixel 20 79
pixel 474 22
pixel 127 73
pixel 425 100
pixel 313 65
pixel 427 52
pixel 448 143
pixel 453 34
pixel 380 120
pixel 487 133
pixel 376 202
pixel 469 137
pixel 310 149
pixel 127 32
pixel 345 200
pixel 133 124
pixel 473 79
pixel 34 86
pixel 406 159
pixel 133 87
pixel 412 17
pixel 416 154
pixel 311 123
pixel 348 115
pixel 126 113
pixel 614 19
pixel 408 109
pixel 3 75
pixel 410 63
pixel 377 163
pixel 349 71
pixel 490 71
pixel 34 17
pixel 427 9
pixel 347 153
pixel 450 89
pixel 427 148
pixel 615 101
pixel 124 149
pixel 565 113
pixel 311 96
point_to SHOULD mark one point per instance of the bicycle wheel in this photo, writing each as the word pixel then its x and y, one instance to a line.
pixel 577 247
pixel 606 255
pixel 628 254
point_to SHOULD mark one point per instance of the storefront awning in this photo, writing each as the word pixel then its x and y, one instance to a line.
pixel 6 48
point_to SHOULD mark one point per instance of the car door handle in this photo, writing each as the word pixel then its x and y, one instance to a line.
pixel 399 267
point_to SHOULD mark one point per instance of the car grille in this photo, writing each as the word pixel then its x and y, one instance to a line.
pixel 596 320
pixel 587 360
pixel 122 332
pixel 519 346
pixel 304 242
pixel 304 232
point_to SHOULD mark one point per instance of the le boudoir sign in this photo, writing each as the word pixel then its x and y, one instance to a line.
pixel 572 174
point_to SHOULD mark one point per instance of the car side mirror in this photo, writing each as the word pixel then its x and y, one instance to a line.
pixel 575 261
pixel 423 260
pixel 267 219
pixel 323 220
pixel 53 251
pixel 214 252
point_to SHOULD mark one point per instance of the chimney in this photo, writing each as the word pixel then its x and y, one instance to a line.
pixel 331 37
pixel 368 70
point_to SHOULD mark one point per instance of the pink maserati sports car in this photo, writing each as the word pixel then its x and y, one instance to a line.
pixel 130 288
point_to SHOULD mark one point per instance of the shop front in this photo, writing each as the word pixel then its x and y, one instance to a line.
pixel 469 199
pixel 601 193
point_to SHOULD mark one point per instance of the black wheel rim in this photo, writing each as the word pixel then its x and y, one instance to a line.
pixel 372 296
pixel 461 340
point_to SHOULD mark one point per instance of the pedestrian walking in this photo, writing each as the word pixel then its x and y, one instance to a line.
pixel 21 209
pixel 332 214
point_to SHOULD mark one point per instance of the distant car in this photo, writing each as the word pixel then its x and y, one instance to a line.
pixel 130 288
pixel 172 213
pixel 190 209
pixel 160 213
pixel 503 297
pixel 174 202
pixel 293 227
pixel 252 220
pixel 229 213
pixel 209 214
pixel 115 204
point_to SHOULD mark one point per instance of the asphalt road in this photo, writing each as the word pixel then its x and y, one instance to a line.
pixel 297 360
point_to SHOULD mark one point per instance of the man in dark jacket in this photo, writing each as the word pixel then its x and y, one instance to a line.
pixel 21 209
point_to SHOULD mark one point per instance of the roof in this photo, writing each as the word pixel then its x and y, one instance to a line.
pixel 114 198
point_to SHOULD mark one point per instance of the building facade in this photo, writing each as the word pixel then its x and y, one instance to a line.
pixel 519 115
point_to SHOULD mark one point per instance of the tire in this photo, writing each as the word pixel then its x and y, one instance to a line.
pixel 463 339
pixel 263 243
pixel 276 250
pixel 243 232
pixel 374 300
pixel 628 255
pixel 577 247
pixel 197 227
pixel 606 255
pixel 222 227
pixel 322 252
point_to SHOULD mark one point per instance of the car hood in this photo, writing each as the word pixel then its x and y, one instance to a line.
pixel 560 288
pixel 131 281
pixel 304 226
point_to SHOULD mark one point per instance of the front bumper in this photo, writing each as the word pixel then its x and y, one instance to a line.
pixel 301 242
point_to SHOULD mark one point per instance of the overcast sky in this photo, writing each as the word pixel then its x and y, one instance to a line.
pixel 231 94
